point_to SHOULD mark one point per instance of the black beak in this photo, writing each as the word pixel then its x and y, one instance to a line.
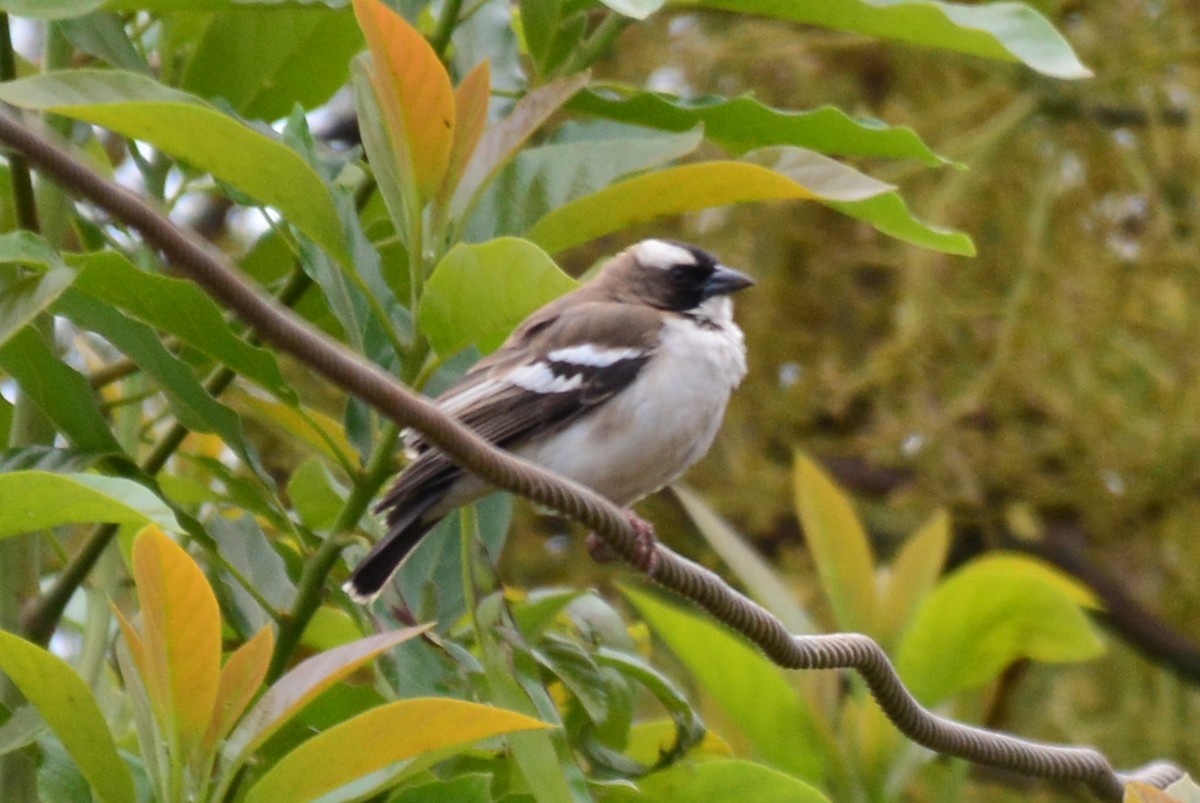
pixel 725 281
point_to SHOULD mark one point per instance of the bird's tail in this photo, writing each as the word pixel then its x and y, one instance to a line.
pixel 404 533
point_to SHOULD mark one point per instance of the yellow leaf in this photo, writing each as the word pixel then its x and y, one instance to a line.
pixel 869 739
pixel 309 426
pixel 355 749
pixel 182 637
pixel 471 110
pixel 414 93
pixel 137 650
pixel 665 192
pixel 202 444
pixel 648 741
pixel 300 686
pixel 839 547
pixel 67 706
pixel 1138 792
pixel 913 575
pixel 241 678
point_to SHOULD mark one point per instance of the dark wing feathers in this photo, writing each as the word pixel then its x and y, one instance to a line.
pixel 506 413
pixel 405 529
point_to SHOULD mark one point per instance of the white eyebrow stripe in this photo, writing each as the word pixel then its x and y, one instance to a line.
pixel 591 355
pixel 538 378
pixel 662 254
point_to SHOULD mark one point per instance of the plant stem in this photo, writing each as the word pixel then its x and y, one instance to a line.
pixel 19 557
pixel 317 568
pixel 595 45
pixel 22 182
pixel 43 616
pixel 445 27
pixel 20 566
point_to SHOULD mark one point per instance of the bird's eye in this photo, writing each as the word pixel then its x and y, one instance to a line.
pixel 679 274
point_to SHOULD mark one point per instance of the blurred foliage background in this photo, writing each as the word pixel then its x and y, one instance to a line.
pixel 1046 391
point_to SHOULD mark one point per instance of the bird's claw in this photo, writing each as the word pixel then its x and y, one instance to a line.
pixel 646 545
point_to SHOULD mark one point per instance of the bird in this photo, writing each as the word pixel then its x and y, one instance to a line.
pixel 620 385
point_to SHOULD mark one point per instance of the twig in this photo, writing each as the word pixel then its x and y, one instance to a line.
pixel 41 618
pixel 22 182
pixel 213 271
pixel 445 27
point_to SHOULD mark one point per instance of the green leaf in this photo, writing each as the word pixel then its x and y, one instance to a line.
pixel 479 293
pixel 743 124
pixel 539 180
pixel 48 458
pixel 727 781
pixel 649 739
pixel 264 61
pixel 433 573
pixel 304 426
pixel 193 406
pixel 888 213
pixel 6 420
pixel 50 9
pixel 299 687
pixel 689 729
pixel 752 692
pixel 27 248
pixel 22 728
pixel 317 497
pixel 574 668
pixel 503 139
pixel 759 577
pixel 22 294
pixel 179 307
pixel 246 548
pixel 538 611
pixel 467 788
pixel 635 9
pixel 187 5
pixel 550 772
pixel 1006 31
pixel 103 35
pixel 58 390
pixel 49 500
pixel 988 614
pixel 350 299
pixel 68 707
pixel 23 298
pixel 189 129
pixel 373 320
pixel 540 23
pixel 768 174
pixel 152 754
pixel 384 160
pixel 330 627
pixel 839 547
pixel 352 750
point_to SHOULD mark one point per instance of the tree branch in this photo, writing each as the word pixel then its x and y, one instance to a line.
pixel 213 271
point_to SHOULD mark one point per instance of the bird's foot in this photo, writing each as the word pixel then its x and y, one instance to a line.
pixel 646 544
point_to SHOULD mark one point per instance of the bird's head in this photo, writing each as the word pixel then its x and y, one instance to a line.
pixel 670 276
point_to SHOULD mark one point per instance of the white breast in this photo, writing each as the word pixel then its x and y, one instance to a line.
pixel 655 429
